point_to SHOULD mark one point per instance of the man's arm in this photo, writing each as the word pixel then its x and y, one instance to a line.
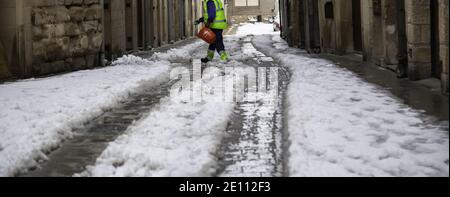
pixel 211 11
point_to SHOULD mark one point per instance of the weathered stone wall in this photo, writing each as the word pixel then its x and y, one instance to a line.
pixel 380 33
pixel 418 33
pixel 384 23
pixel 265 8
pixel 337 32
pixel 390 34
pixel 367 28
pixel 327 29
pixel 66 35
pixel 49 36
pixel 443 37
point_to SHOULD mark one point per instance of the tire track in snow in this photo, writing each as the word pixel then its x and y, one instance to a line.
pixel 253 143
pixel 90 141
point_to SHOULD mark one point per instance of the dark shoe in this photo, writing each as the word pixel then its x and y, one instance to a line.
pixel 209 56
pixel 205 60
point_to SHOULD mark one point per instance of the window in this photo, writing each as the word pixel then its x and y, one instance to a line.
pixel 245 3
pixel 329 10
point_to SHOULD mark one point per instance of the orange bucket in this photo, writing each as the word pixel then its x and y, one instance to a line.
pixel 207 35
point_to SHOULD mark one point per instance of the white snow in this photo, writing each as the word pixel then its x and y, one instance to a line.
pixel 340 125
pixel 37 114
pixel 255 29
pixel 182 52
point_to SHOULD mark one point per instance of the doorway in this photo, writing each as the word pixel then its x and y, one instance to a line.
pixel 436 65
pixel 157 37
pixel 357 27
pixel 129 26
pixel 402 55
pixel 107 26
pixel 148 27
pixel 170 21
pixel 301 24
pixel 183 19
pixel 288 21
pixel 4 71
pixel 140 24
pixel 314 26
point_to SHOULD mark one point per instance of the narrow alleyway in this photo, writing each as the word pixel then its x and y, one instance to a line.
pixel 128 119
pixel 252 140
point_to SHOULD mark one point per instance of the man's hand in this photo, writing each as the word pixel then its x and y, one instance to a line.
pixel 200 20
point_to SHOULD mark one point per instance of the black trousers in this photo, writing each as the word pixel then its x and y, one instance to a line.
pixel 218 45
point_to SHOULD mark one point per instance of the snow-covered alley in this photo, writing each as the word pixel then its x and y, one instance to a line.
pixel 127 120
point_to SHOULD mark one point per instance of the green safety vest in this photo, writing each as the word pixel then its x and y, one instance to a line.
pixel 220 22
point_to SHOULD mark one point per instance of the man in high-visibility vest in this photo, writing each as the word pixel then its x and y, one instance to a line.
pixel 214 18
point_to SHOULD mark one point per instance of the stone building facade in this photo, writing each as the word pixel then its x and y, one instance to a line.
pixel 443 42
pixel 43 36
pixel 40 37
pixel 240 10
pixel 407 36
